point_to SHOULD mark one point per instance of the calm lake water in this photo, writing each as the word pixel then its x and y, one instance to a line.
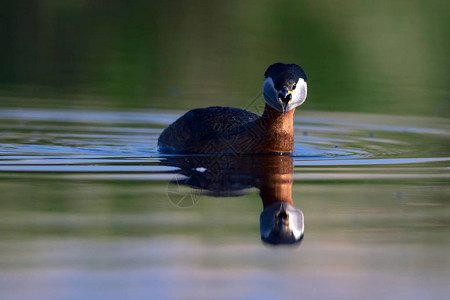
pixel 87 212
pixel 89 209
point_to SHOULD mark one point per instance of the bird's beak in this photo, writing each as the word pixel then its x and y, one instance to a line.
pixel 284 97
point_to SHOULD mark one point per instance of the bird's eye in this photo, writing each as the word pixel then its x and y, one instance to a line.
pixel 295 85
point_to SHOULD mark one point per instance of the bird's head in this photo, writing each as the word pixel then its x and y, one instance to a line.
pixel 284 86
pixel 281 223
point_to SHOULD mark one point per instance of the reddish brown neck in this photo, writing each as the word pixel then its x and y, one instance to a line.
pixel 278 188
pixel 278 130
pixel 276 179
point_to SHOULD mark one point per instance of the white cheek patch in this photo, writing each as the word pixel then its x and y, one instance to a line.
pixel 270 94
pixel 299 94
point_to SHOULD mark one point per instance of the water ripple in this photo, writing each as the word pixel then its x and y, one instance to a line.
pixel 72 141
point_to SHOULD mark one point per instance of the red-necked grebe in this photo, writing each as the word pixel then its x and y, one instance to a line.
pixel 232 130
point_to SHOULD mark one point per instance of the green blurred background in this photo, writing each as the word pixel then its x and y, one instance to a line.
pixel 389 57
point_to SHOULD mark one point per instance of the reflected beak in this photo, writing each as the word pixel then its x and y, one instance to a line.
pixel 284 97
pixel 282 220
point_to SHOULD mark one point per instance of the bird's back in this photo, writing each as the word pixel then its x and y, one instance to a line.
pixel 205 130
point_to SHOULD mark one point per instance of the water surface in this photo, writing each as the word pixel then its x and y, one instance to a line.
pixel 87 211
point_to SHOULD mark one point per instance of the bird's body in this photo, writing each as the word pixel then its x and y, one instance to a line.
pixel 229 130
pixel 207 130
pixel 235 131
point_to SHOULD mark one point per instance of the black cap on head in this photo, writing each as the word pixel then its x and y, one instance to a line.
pixel 285 75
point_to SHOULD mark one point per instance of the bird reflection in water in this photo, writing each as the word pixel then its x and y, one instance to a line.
pixel 232 175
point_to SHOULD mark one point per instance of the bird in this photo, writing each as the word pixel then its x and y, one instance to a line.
pixel 227 130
